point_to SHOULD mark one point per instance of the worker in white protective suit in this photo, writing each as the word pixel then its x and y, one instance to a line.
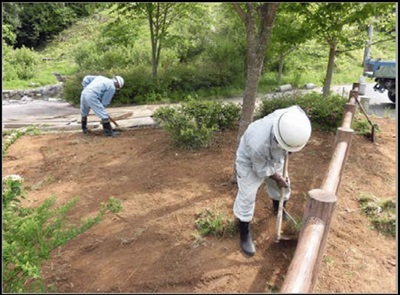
pixel 260 158
pixel 96 95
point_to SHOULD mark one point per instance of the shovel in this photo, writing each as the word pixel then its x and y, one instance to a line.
pixel 372 135
pixel 278 235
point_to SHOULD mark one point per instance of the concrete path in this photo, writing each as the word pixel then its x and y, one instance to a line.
pixel 55 114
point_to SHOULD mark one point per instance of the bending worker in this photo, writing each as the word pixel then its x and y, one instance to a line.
pixel 96 95
pixel 260 157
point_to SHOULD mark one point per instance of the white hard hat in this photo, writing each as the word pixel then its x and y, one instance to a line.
pixel 292 129
pixel 120 81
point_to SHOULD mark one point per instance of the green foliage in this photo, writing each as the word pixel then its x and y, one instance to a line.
pixel 12 191
pixel 381 213
pixel 29 235
pixel 213 113
pixel 323 112
pixel 35 23
pixel 215 224
pixel 185 132
pixel 361 126
pixel 192 124
pixel 203 58
pixel 19 64
pixel 114 205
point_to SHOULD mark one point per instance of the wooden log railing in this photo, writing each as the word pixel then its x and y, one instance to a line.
pixel 305 265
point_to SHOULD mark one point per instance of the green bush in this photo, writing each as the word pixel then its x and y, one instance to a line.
pixel 184 130
pixel 19 63
pixel 191 125
pixel 29 235
pixel 324 112
pixel 213 113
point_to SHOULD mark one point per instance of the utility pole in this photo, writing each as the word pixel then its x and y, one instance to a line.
pixel 368 43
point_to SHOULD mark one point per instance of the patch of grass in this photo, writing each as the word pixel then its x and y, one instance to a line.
pixel 295 225
pixel 215 224
pixel 381 213
pixel 114 205
pixel 327 260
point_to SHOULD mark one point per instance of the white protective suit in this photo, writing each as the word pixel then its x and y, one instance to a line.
pixel 96 95
pixel 257 158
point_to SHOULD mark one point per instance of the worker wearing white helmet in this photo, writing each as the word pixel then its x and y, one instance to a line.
pixel 260 157
pixel 96 95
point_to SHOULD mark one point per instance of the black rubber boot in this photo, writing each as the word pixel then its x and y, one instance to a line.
pixel 275 206
pixel 246 244
pixel 85 130
pixel 108 130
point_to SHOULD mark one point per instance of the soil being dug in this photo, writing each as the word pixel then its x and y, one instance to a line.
pixel 150 245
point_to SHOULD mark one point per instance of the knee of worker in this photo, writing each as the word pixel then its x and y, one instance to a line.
pixel 244 204
pixel 84 110
pixel 244 212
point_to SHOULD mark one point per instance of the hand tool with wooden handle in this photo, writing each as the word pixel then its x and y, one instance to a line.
pixel 112 120
pixel 278 226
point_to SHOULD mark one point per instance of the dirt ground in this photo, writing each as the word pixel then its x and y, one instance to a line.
pixel 149 246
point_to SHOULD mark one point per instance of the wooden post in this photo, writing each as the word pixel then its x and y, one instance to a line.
pixel 335 169
pixel 348 114
pixel 321 204
pixel 300 274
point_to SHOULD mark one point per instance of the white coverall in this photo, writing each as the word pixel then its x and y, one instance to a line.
pixel 257 158
pixel 96 95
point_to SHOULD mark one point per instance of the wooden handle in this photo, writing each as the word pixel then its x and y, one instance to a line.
pixel 112 120
pixel 280 209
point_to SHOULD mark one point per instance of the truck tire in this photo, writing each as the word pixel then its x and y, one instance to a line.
pixel 392 96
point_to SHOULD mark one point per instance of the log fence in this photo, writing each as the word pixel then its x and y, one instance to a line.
pixel 303 270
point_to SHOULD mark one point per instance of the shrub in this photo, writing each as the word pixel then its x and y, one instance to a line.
pixel 19 63
pixel 212 113
pixel 191 125
pixel 29 234
pixel 323 112
pixel 184 130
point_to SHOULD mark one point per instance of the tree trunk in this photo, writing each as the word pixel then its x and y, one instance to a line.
pixel 329 71
pixel 153 39
pixel 258 34
pixel 280 69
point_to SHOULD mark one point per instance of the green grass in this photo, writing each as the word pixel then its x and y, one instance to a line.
pixel 215 224
pixel 381 213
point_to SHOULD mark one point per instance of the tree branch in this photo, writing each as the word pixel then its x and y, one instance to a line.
pixel 240 12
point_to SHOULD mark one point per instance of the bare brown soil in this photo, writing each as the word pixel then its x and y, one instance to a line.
pixel 149 246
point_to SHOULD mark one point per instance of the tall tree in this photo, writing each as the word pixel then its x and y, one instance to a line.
pixel 338 25
pixel 258 19
pixel 288 33
pixel 160 16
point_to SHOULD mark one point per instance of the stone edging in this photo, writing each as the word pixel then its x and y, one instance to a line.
pixel 44 93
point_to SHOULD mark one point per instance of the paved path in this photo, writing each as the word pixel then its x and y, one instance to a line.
pixel 60 115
